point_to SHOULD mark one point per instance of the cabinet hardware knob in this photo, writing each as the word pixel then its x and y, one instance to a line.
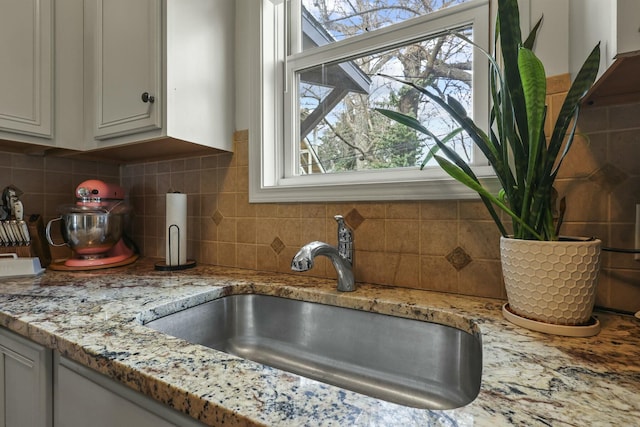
pixel 147 98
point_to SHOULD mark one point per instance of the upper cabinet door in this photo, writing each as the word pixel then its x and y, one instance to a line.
pixel 123 49
pixel 26 73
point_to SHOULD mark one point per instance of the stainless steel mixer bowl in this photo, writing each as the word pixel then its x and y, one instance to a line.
pixel 91 233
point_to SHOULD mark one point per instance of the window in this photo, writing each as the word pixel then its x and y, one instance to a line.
pixel 317 135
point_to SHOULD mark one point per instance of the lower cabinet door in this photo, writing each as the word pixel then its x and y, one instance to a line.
pixel 86 398
pixel 25 382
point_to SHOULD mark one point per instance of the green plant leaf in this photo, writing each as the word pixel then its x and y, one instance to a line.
pixel 457 106
pixel 531 39
pixel 510 42
pixel 436 147
pixel 570 107
pixel 403 119
pixel 534 85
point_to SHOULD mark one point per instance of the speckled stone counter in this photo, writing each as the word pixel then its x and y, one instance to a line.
pixel 529 379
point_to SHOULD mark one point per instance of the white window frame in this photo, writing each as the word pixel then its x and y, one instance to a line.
pixel 270 178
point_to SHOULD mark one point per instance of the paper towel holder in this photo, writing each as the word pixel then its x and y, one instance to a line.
pixel 163 266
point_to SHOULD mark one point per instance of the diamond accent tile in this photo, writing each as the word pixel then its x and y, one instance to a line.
pixel 277 245
pixel 217 217
pixel 458 258
pixel 354 219
pixel 608 177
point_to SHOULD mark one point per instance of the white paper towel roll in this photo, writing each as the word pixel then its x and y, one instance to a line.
pixel 176 229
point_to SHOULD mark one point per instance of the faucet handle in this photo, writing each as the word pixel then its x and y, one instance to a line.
pixel 345 239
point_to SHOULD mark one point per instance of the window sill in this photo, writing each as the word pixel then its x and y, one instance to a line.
pixel 369 186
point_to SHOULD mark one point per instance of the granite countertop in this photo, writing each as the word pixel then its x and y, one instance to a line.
pixel 529 378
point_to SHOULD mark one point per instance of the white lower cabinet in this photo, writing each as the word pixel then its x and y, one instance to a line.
pixel 25 382
pixel 39 388
pixel 84 397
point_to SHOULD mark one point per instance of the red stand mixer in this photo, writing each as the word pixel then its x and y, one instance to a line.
pixel 93 228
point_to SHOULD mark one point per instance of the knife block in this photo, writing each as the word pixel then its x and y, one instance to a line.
pixel 37 247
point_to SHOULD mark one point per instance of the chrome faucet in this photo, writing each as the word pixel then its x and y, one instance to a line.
pixel 341 257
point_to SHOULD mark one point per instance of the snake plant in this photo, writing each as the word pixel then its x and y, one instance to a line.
pixel 525 160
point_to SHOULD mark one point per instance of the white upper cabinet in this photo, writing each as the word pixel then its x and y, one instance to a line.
pixel 616 25
pixel 101 76
pixel 123 52
pixel 159 69
pixel 26 73
pixel 613 23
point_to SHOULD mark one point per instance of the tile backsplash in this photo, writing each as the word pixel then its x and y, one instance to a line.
pixel 450 246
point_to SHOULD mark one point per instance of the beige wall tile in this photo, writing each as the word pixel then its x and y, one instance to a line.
pixel 623 200
pixel 30 181
pixel 624 116
pixel 472 209
pixel 227 254
pixel 312 229
pixel 57 182
pixel 288 210
pixel 587 155
pixel 242 152
pixel 480 239
pixel 376 267
pixel 624 151
pixel 406 273
pixel 624 289
pixel 208 230
pixel 247 256
pixel 208 181
pixel 246 229
pixel 403 210
pixel 313 210
pixel 368 237
pixel 438 237
pixel 208 162
pixel 370 210
pixel 242 177
pixel 266 230
pixel 227 230
pixel 602 289
pixel 243 207
pixel 623 236
pixel 586 200
pixel 266 210
pixel 227 204
pixel 437 274
pixel 267 260
pixel 594 119
pixel 482 278
pixel 439 210
pixel 402 236
pixel 208 204
pixel 227 180
pixel 289 232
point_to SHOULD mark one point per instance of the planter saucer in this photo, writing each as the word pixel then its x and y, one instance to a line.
pixel 569 331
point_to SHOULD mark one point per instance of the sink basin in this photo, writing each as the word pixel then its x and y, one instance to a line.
pixel 405 361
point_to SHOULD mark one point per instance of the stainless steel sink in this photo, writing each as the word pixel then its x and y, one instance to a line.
pixel 410 362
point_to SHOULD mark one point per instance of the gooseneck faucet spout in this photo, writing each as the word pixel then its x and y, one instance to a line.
pixel 341 257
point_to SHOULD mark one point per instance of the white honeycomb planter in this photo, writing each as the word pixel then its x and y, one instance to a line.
pixel 552 282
